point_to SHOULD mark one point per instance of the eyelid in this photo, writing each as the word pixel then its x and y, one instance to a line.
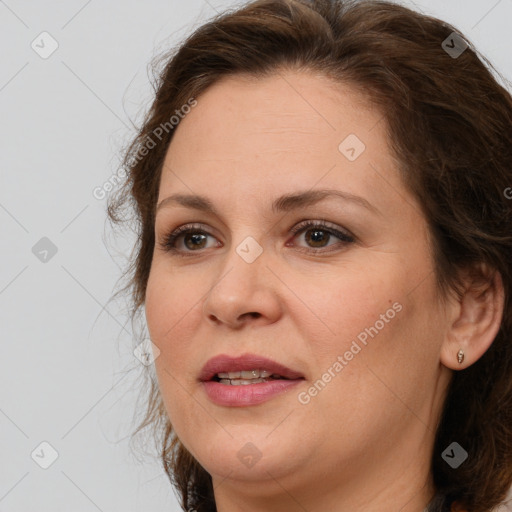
pixel 170 236
pixel 342 234
pixel 322 223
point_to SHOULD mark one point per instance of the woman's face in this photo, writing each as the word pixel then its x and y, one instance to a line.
pixel 356 316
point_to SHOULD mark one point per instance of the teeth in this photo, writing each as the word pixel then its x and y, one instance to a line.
pixel 246 374
pixel 242 382
pixel 250 374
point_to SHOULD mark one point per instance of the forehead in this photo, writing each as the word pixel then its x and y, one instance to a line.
pixel 289 107
pixel 287 131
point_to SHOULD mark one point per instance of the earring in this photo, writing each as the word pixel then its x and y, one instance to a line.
pixel 460 356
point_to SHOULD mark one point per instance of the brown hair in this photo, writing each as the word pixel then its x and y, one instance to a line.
pixel 449 124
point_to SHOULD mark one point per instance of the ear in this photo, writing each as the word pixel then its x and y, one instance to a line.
pixel 475 318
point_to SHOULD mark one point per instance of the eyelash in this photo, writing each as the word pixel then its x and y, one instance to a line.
pixel 168 243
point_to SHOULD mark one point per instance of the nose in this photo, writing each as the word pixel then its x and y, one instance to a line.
pixel 242 293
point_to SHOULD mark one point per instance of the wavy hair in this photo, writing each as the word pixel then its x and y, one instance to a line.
pixel 450 129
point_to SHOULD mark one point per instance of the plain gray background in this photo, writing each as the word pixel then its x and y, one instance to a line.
pixel 68 376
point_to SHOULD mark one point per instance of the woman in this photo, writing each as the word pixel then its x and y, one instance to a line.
pixel 324 262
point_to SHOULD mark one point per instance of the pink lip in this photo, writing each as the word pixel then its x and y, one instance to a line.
pixel 245 395
pixel 225 363
pixel 248 394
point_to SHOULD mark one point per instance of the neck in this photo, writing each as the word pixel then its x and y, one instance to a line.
pixel 408 492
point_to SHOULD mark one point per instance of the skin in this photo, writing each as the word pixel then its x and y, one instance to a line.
pixel 365 441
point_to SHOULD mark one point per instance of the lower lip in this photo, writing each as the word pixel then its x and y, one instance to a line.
pixel 247 394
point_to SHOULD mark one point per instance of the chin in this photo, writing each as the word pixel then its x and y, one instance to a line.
pixel 250 456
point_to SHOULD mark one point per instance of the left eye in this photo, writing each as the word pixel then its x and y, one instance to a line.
pixel 316 233
pixel 320 233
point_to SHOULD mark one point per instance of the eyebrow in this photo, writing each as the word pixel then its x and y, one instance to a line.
pixel 284 203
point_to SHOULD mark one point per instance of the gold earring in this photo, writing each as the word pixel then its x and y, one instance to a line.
pixel 460 356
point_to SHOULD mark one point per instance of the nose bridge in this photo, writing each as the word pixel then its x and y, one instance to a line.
pixel 241 288
pixel 242 268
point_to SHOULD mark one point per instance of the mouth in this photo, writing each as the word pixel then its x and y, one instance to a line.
pixel 246 377
pixel 245 369
pixel 246 380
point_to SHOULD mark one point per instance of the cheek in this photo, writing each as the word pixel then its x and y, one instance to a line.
pixel 385 350
pixel 171 302
pixel 347 304
pixel 360 372
pixel 374 323
pixel 172 309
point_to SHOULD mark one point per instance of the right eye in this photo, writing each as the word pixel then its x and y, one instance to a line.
pixel 191 235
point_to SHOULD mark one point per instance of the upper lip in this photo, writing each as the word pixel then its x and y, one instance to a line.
pixel 224 363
